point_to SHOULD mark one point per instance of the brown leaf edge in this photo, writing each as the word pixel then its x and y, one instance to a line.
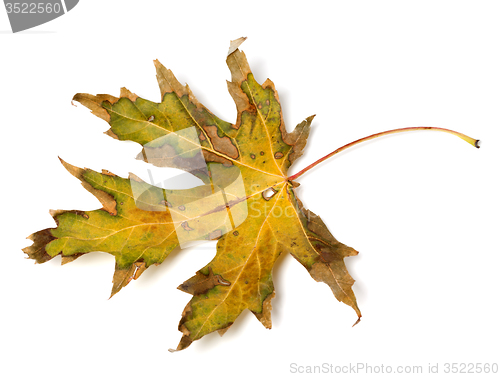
pixel 43 237
pixel 330 267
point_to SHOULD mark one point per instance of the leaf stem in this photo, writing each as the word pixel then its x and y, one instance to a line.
pixel 471 141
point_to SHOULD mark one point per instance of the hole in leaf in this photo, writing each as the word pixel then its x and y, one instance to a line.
pixel 268 194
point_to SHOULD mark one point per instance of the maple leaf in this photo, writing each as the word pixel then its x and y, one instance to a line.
pixel 248 201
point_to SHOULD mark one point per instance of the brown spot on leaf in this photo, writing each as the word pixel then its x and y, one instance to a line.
pixel 328 255
pixel 278 155
pixel 236 233
pixel 216 234
pixel 201 283
pixel 186 226
pixel 262 153
pixel 182 208
pixel 212 157
pixel 202 137
pixel 165 203
pixel 252 156
pixel 151 118
pixel 221 144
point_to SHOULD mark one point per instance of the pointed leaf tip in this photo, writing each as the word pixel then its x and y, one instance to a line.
pixel 233 46
pixel 107 200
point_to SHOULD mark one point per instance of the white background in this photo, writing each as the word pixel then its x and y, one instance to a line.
pixel 422 208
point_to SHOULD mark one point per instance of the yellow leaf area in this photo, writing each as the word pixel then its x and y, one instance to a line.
pixel 247 202
pixel 245 258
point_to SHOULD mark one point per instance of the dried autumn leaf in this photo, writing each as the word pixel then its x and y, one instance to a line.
pixel 247 202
